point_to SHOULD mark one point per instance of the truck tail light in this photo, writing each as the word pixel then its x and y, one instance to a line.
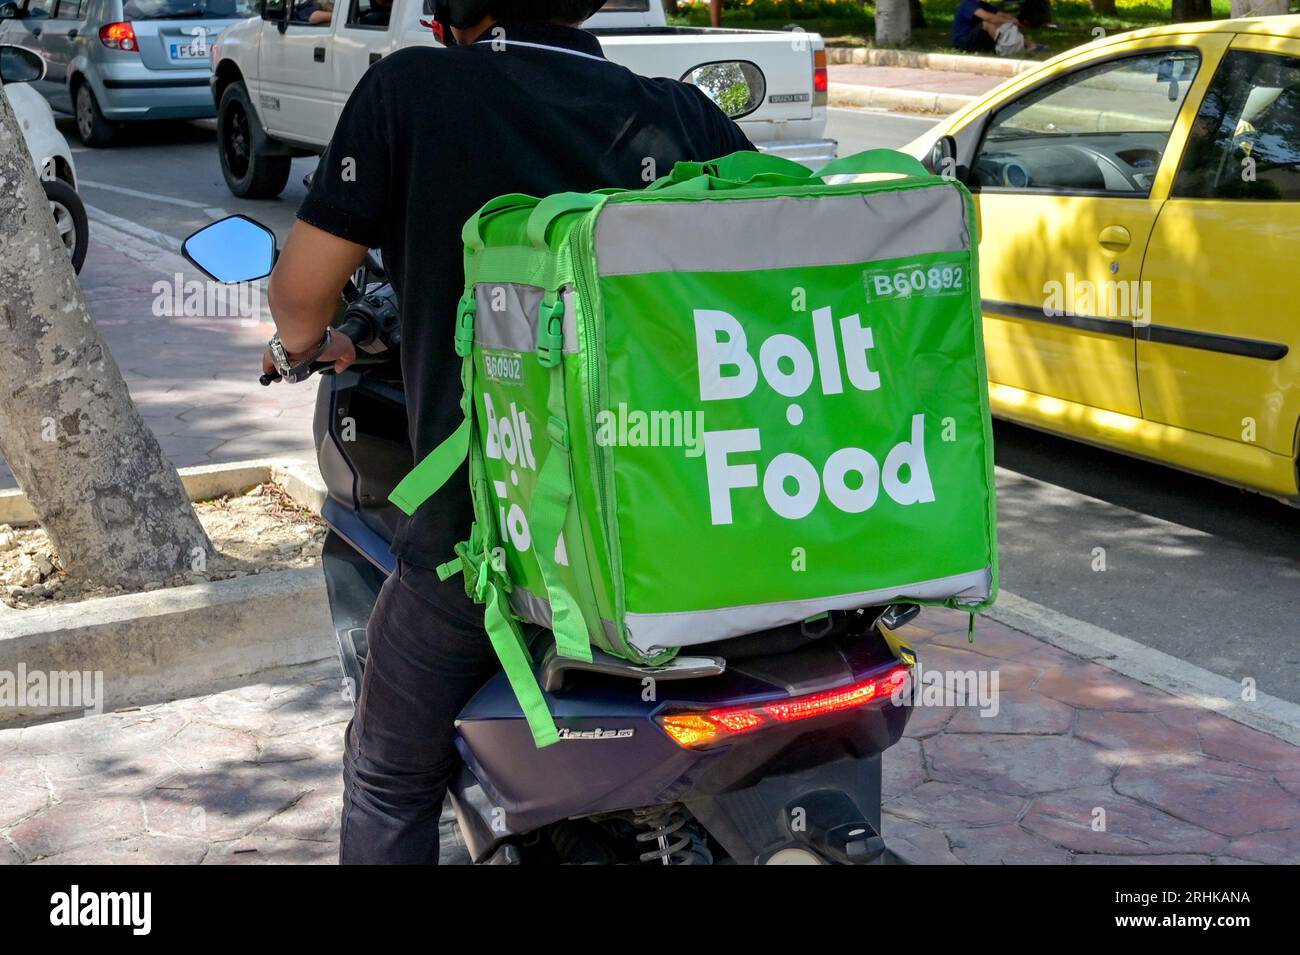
pixel 821 78
pixel 118 36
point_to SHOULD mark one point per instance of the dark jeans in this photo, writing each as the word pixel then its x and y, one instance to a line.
pixel 428 655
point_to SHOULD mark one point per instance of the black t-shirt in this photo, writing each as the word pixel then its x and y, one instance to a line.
pixel 427 137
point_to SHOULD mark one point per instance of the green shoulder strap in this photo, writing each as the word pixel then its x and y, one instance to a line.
pixel 873 160
pixel 489 585
pixel 553 516
pixel 737 167
pixel 435 470
pixel 512 650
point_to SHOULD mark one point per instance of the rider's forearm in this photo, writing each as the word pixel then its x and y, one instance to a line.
pixel 304 289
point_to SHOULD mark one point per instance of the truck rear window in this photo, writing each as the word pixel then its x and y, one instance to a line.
pixel 639 6
pixel 187 9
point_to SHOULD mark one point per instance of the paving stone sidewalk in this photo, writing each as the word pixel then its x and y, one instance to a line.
pixel 194 379
pixel 252 775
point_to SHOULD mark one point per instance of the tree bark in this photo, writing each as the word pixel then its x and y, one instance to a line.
pixel 110 501
pixel 1186 11
pixel 893 23
pixel 1259 8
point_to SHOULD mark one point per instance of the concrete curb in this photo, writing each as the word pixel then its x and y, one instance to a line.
pixel 171 644
pixel 300 479
pixel 853 96
pixel 179 642
pixel 1201 688
pixel 945 62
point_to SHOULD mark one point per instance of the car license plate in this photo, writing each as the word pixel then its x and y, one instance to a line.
pixel 195 50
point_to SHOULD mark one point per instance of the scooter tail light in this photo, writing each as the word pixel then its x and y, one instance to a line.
pixel 697 729
pixel 118 36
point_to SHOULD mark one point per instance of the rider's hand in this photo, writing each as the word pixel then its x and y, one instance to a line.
pixel 341 351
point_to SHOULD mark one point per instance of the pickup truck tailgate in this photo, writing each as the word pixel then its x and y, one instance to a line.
pixel 785 59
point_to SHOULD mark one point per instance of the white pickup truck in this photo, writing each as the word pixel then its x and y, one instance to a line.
pixel 280 82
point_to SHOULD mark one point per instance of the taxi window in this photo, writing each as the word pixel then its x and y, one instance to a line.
pixel 1102 129
pixel 1245 143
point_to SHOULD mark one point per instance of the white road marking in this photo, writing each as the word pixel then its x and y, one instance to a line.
pixel 1198 686
pixel 213 211
pixel 160 241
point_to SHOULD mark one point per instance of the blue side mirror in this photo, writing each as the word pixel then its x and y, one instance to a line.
pixel 234 249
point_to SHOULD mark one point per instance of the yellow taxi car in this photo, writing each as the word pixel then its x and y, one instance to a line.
pixel 1139 200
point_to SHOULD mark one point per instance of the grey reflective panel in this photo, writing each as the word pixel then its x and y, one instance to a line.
pixel 633 238
pixel 532 608
pixel 652 632
pixel 505 317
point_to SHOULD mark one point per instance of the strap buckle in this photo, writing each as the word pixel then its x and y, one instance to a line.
pixel 557 430
pixel 550 332
pixel 465 324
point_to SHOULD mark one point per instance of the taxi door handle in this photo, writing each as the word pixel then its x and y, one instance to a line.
pixel 1116 238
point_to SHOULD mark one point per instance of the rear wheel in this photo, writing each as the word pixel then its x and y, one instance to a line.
pixel 250 172
pixel 69 219
pixel 92 127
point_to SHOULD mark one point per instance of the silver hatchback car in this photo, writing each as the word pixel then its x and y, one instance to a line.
pixel 114 61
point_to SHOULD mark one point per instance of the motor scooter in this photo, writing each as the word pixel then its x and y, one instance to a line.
pixel 764 748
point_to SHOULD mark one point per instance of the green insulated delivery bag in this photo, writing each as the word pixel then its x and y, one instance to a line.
pixel 739 398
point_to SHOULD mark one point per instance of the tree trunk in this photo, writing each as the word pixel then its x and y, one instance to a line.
pixel 918 15
pixel 893 23
pixel 1259 8
pixel 1187 11
pixel 112 504
pixel 1104 7
pixel 715 12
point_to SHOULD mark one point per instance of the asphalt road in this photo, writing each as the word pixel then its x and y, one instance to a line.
pixel 1204 573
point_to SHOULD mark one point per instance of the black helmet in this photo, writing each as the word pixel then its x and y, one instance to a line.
pixel 466 13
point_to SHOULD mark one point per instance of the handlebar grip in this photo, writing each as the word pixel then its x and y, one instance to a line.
pixel 356 328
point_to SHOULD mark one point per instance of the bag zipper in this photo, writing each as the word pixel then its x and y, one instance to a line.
pixel 582 249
